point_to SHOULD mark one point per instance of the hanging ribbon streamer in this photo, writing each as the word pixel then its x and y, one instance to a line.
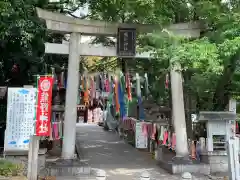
pixel 92 92
pixel 141 111
pixel 107 85
pixel 165 137
pixel 97 81
pixel 138 88
pixel 116 95
pixel 56 127
pixel 85 83
pixel 62 78
pixel 82 83
pixel 79 90
pixel 100 83
pixel 55 81
pixel 86 93
pixel 65 79
pixel 111 84
pixel 146 85
pixel 111 93
pixel 121 89
pixel 128 84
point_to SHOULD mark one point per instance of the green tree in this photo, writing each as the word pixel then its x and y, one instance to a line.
pixel 22 36
pixel 209 63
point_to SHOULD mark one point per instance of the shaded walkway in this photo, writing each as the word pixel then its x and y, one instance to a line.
pixel 104 150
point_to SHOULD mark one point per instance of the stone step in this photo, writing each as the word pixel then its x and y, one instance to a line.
pixel 63 167
pixel 82 177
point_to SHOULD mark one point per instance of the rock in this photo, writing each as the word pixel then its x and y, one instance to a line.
pixel 186 175
pixel 100 174
pixel 145 176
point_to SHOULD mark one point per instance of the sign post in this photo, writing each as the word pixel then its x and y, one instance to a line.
pixel 33 158
pixel 43 122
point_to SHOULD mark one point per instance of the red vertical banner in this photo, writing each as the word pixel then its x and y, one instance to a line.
pixel 44 105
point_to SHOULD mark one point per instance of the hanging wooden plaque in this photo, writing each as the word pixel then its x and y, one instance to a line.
pixel 126 42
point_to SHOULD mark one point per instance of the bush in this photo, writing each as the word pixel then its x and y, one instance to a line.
pixel 8 169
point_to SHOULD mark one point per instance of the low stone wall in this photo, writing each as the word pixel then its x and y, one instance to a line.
pixel 218 161
pixel 24 160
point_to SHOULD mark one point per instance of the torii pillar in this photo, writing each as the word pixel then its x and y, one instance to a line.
pixel 68 150
pixel 77 27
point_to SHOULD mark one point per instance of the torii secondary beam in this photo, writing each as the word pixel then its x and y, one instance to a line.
pixel 89 50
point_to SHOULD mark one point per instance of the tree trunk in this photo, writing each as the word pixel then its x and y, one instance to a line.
pixel 187 101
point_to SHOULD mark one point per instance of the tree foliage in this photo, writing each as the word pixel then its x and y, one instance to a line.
pixel 22 37
pixel 210 63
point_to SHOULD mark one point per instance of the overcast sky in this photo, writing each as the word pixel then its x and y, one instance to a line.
pixel 82 12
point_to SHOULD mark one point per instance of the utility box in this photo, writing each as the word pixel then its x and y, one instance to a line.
pixel 220 127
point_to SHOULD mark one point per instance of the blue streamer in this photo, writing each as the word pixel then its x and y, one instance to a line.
pixel 121 101
pixel 141 110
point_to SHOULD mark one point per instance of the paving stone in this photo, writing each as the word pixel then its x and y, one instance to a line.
pixel 105 150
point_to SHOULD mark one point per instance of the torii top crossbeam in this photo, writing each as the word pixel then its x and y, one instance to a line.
pixel 60 23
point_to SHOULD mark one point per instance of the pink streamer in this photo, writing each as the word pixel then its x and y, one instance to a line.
pixel 154 131
pixel 145 129
pixel 107 85
pixel 173 140
pixel 165 137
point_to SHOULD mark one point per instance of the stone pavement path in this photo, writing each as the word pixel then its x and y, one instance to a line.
pixel 104 150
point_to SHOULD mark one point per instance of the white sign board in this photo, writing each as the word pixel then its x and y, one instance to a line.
pixel 105 94
pixel 141 141
pixel 20 118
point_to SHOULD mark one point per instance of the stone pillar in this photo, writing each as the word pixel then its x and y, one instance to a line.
pixel 68 150
pixel 178 114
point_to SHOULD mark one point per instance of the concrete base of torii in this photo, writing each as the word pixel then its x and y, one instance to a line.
pixel 175 165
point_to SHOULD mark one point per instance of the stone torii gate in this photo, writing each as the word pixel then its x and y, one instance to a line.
pixel 76 27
